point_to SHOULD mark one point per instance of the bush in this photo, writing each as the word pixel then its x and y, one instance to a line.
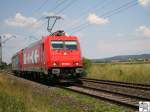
pixel 3 65
pixel 86 64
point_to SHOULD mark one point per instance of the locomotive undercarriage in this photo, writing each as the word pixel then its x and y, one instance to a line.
pixel 66 73
pixel 54 74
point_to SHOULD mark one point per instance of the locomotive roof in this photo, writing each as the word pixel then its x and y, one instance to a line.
pixel 62 37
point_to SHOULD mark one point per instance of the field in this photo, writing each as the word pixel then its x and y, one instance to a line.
pixel 19 95
pixel 128 72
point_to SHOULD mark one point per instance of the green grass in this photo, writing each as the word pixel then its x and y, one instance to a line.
pixel 23 96
pixel 128 72
pixel 10 103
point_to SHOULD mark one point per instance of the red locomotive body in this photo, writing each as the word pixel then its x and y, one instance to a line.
pixel 54 56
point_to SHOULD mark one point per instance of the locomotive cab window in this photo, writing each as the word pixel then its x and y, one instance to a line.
pixel 57 44
pixel 70 45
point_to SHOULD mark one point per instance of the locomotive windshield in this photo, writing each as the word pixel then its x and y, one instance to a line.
pixel 68 44
pixel 57 44
pixel 71 45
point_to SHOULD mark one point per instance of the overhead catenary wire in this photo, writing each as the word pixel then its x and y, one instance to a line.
pixel 59 4
pixel 107 14
pixel 41 6
pixel 41 17
pixel 88 24
pixel 61 10
pixel 95 7
pixel 78 28
pixel 71 2
pixel 82 26
pixel 66 6
pixel 54 8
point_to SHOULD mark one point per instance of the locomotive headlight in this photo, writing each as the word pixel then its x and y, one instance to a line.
pixel 77 63
pixel 55 64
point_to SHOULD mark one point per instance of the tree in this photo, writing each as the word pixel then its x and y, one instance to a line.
pixel 86 64
pixel 4 65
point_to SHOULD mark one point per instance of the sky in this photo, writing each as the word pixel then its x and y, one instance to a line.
pixel 105 28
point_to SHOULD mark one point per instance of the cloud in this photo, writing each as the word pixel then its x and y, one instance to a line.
pixel 94 19
pixel 145 3
pixel 143 31
pixel 22 21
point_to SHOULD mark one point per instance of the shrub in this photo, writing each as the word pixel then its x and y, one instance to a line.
pixel 86 64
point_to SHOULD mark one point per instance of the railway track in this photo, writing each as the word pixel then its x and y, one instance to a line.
pixel 119 97
pixel 118 83
pixel 108 96
pixel 130 98
pixel 123 99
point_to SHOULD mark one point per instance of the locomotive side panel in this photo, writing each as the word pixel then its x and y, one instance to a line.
pixel 33 58
pixel 17 61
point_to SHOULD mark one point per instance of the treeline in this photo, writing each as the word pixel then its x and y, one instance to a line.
pixel 87 64
pixel 4 65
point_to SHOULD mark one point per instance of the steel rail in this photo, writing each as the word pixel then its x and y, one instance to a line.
pixel 117 93
pixel 118 83
pixel 123 99
pixel 106 98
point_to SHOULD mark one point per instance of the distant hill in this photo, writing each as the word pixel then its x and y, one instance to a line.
pixel 123 58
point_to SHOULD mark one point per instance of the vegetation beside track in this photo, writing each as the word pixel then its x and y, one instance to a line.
pixel 9 103
pixel 19 95
pixel 128 72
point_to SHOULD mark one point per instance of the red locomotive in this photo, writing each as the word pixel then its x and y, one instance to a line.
pixel 56 55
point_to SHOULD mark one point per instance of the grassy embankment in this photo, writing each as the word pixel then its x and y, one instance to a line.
pixel 128 72
pixel 18 95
